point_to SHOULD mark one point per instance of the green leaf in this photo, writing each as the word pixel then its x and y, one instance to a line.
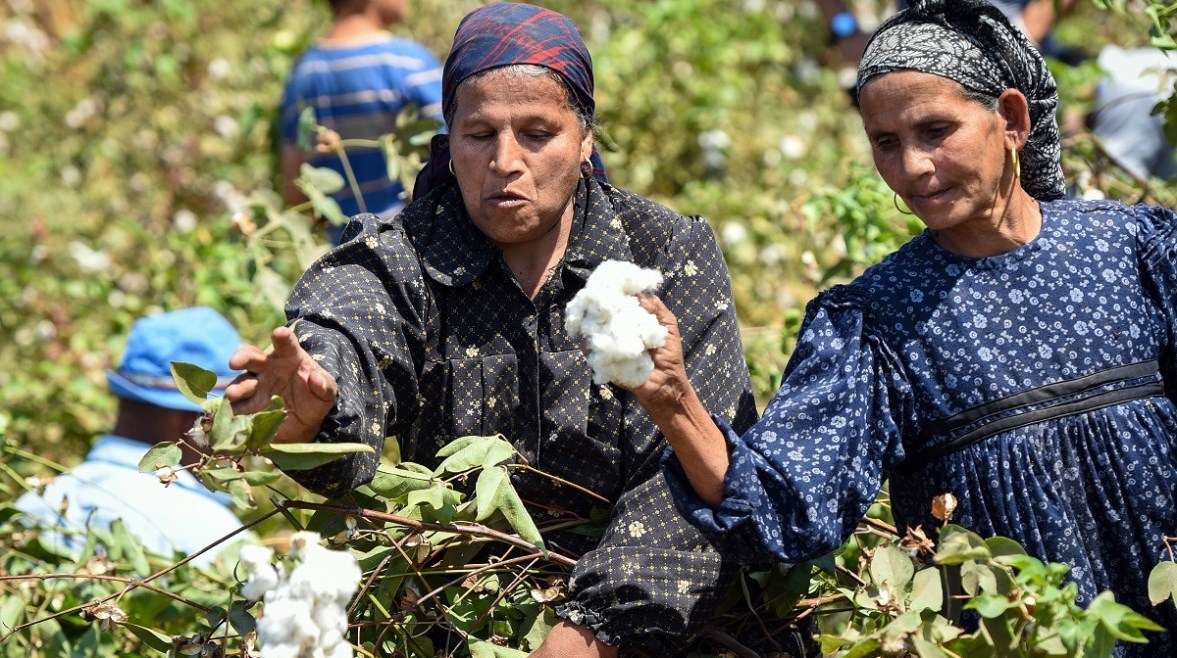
pixel 129 548
pixel 891 564
pixel 977 578
pixel 261 478
pixel 194 382
pixel 480 649
pixel 1162 583
pixel 494 492
pixel 958 545
pixel 215 616
pixel 1121 621
pixel 11 611
pixel 306 127
pixel 473 451
pixel 324 179
pixel 538 631
pixel 926 591
pixel 229 431
pixel 926 649
pixel 240 618
pixel 242 494
pixel 165 452
pixel 392 482
pixel 440 498
pixel 264 425
pixel 865 648
pixel 324 205
pixel 1001 635
pixel 151 637
pixel 990 605
pixel 1001 546
pixel 301 456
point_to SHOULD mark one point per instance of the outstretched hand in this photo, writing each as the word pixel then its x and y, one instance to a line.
pixel 287 370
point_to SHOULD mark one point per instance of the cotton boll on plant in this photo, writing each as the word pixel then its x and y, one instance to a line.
pixel 304 610
pixel 263 577
pixel 616 329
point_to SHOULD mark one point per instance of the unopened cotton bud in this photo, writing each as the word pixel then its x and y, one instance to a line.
pixel 200 430
pixel 166 475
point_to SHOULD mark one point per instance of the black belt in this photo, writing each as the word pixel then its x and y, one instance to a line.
pixel 1063 398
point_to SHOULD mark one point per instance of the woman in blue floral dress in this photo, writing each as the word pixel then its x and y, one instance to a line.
pixel 1018 354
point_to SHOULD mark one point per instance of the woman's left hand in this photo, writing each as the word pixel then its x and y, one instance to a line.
pixel 664 392
pixel 673 404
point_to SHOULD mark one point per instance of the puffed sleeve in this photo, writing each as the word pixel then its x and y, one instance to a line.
pixel 654 578
pixel 359 312
pixel 803 476
pixel 1156 239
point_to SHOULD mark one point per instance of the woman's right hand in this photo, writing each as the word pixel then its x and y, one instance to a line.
pixel 288 371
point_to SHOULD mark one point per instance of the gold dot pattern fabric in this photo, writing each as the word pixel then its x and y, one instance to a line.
pixel 431 338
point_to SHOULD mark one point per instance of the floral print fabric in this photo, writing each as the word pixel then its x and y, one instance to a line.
pixel 927 334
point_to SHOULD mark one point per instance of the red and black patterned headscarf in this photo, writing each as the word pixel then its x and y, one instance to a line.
pixel 506 34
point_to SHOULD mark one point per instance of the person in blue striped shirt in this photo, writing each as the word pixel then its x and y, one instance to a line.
pixel 358 77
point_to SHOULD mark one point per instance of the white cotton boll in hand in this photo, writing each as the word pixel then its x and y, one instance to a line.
pixel 615 327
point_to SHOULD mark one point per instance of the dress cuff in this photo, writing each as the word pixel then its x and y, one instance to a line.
pixel 741 491
pixel 579 614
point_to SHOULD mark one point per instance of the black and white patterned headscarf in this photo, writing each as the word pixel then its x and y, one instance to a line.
pixel 973 43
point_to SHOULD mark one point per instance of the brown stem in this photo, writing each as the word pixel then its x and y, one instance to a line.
pixel 467 574
pixel 821 600
pixel 475 529
pixel 117 579
pixel 503 592
pixel 850 574
pixel 881 525
pixel 409 563
pixel 368 584
pixel 140 583
pixel 588 492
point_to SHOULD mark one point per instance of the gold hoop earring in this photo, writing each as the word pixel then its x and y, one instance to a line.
pixel 451 168
pixel 895 200
pixel 1017 164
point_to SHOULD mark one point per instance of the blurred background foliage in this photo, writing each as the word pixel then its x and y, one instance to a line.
pixel 134 132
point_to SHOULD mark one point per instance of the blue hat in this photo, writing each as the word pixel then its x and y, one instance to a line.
pixel 200 336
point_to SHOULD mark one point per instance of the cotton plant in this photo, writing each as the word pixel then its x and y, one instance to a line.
pixel 616 329
pixel 304 609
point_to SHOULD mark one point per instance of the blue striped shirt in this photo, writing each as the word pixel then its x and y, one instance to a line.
pixel 357 91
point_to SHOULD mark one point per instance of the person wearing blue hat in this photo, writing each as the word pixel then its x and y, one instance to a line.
pixel 183 516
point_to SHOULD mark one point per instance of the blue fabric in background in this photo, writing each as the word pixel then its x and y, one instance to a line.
pixel 358 91
pixel 183 517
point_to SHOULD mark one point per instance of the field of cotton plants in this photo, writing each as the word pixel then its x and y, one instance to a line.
pixel 138 174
